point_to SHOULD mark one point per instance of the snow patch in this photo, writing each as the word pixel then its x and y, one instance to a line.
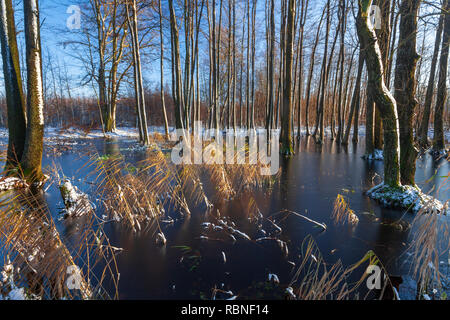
pixel 76 202
pixel 8 288
pixel 12 183
pixel 406 197
pixel 377 155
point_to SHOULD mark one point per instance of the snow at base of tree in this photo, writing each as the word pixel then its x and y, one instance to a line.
pixel 377 155
pixel 12 183
pixel 406 197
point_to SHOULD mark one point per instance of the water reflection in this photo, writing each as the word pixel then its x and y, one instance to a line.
pixel 309 183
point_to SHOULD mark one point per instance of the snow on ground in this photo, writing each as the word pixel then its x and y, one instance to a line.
pixel 76 202
pixel 12 183
pixel 406 197
pixel 130 132
pixel 377 155
pixel 74 133
pixel 8 287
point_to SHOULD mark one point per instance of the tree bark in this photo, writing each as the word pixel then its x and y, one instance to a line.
pixel 286 128
pixel 380 94
pixel 311 71
pixel 177 85
pixel 32 156
pixel 423 130
pixel 355 100
pixel 439 141
pixel 15 98
pixel 163 100
pixel 405 87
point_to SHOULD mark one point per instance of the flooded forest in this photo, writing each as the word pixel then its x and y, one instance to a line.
pixel 224 150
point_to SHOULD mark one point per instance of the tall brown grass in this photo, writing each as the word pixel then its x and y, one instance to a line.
pixel 317 280
pixel 430 244
pixel 342 213
pixel 31 242
pixel 142 193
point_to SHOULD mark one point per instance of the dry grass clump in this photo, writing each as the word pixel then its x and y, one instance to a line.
pixel 41 258
pixel 430 244
pixel 342 213
pixel 126 192
pixel 143 193
pixel 316 280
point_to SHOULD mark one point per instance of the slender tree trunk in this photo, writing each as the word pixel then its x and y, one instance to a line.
pixel 405 85
pixel 311 71
pixel 271 66
pixel 139 86
pixel 286 128
pixel 355 100
pixel 326 68
pixel 15 98
pixel 423 130
pixel 178 89
pixel 32 156
pixel 342 8
pixel 439 141
pixel 379 92
pixel 303 16
pixel 163 100
pixel 370 118
pixel 383 35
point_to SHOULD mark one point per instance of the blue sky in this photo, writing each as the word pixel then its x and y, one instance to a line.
pixel 54 18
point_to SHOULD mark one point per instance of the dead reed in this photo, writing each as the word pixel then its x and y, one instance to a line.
pixel 41 259
pixel 142 193
pixel 342 213
pixel 316 280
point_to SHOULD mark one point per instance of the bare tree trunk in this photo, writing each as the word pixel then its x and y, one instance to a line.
pixel 379 92
pixel 15 98
pixel 139 85
pixel 34 143
pixel 252 115
pixel 354 108
pixel 303 16
pixel 311 71
pixel 326 68
pixel 343 14
pixel 234 66
pixel 271 66
pixel 163 100
pixel 178 89
pixel 405 85
pixel 286 128
pixel 423 130
pixel 438 141
pixel 370 118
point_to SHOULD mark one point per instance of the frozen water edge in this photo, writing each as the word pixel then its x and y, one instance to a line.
pixel 131 132
pixel 407 197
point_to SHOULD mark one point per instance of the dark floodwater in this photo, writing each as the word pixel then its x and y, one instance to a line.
pixel 309 184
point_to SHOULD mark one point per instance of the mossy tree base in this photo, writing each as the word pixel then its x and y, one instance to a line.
pixel 406 198
pixel 287 151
